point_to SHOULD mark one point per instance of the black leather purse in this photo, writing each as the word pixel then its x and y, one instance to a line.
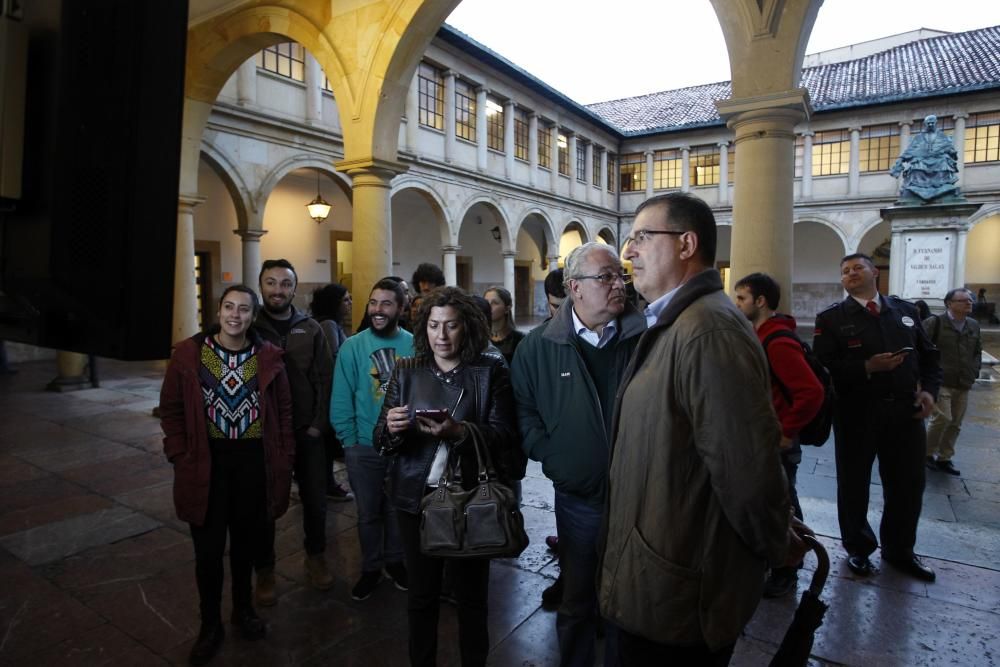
pixel 482 522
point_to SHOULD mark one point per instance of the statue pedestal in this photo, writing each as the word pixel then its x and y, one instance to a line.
pixel 928 248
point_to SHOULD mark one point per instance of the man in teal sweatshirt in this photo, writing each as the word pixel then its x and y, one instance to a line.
pixel 364 365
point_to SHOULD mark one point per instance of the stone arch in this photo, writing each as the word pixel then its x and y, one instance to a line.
pixel 506 238
pixel 854 242
pixel 548 226
pixel 302 161
pixel 233 180
pixel 844 240
pixel 606 233
pixel 575 222
pixel 984 213
pixel 433 198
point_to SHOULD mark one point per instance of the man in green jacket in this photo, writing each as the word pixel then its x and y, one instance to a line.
pixel 957 337
pixel 565 375
pixel 697 499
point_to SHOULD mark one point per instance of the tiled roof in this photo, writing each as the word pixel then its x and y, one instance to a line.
pixel 955 63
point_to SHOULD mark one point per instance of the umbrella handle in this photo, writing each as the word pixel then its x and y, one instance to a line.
pixel 822 564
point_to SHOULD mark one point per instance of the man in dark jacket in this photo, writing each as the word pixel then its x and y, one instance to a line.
pixel 697 504
pixel 309 363
pixel 565 376
pixel 886 374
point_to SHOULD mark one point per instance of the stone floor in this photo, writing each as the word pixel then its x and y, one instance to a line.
pixel 97 570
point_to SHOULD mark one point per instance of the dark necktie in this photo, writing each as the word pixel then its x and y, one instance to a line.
pixel 872 308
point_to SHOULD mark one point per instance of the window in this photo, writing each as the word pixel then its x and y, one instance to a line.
pixel 581 163
pixel 632 172
pixel 563 155
pixel 326 84
pixel 286 59
pixel 494 124
pixel 544 146
pixel 595 171
pixel 465 111
pixel 878 147
pixel 667 166
pixel 520 134
pixel 611 172
pixel 703 166
pixel 800 152
pixel 831 153
pixel 982 137
pixel 430 96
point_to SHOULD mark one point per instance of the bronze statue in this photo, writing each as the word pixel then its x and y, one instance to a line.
pixel 929 165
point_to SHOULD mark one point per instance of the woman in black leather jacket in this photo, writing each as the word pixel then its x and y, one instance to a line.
pixel 457 384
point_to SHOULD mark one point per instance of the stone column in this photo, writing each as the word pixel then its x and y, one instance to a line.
pixel 685 169
pixel 854 162
pixel 554 158
pixel 185 295
pixel 904 134
pixel 251 253
pixel 588 172
pixel 533 150
pixel 508 138
pixel 508 273
pixel 371 218
pixel 553 261
pixel 807 164
pixel 723 172
pixel 763 203
pixel 572 144
pixel 481 131
pixel 649 174
pixel 314 90
pixel 71 372
pixel 449 117
pixel 896 263
pixel 412 115
pixel 450 267
pixel 959 140
pixel 246 83
pixel 958 272
pixel 603 188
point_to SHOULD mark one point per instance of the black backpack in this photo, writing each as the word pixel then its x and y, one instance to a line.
pixel 817 431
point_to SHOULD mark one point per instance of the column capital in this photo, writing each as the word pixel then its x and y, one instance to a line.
pixel 187 201
pixel 722 144
pixel 509 254
pixel 961 114
pixel 789 106
pixel 370 170
pixel 906 123
pixel 807 133
pixel 684 149
pixel 450 249
pixel 854 128
pixel 448 74
pixel 250 235
pixel 509 104
pixel 648 152
pixel 482 90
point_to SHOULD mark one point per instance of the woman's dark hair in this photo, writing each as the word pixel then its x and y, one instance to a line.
pixel 923 309
pixel 476 327
pixel 427 273
pixel 327 302
pixel 507 301
pixel 245 290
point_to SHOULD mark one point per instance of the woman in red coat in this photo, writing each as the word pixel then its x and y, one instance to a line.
pixel 226 413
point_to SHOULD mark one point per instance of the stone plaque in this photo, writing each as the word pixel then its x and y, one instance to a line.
pixel 927 267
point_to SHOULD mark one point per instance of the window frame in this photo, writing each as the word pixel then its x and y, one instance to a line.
pixel 430 89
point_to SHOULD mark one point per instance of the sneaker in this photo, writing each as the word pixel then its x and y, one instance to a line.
pixel 366 585
pixel 781 582
pixel 208 643
pixel 250 625
pixel 948 467
pixel 338 493
pixel 266 594
pixel 317 573
pixel 552 596
pixel 397 572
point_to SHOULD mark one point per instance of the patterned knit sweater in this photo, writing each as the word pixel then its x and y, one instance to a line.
pixel 229 387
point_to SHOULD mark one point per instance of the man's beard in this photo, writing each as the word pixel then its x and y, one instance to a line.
pixel 388 330
pixel 274 310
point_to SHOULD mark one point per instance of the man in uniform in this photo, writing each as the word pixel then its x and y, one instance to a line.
pixel 886 374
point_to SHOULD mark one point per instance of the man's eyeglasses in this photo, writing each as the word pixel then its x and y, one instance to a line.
pixel 607 278
pixel 642 235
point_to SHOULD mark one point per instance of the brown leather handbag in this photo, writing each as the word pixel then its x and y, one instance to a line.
pixel 482 522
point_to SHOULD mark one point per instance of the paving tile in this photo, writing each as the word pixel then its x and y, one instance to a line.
pixel 975 511
pixel 155 501
pixel 983 490
pixel 84 450
pixel 103 645
pixel 122 425
pixel 34 492
pixel 13 470
pixel 128 473
pixel 59 539
pixel 57 510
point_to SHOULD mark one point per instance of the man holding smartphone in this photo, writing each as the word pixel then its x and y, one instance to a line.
pixel 886 373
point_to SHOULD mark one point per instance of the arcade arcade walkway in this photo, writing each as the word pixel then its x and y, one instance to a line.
pixel 95 568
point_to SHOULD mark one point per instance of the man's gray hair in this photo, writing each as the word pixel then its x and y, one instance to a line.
pixel 579 254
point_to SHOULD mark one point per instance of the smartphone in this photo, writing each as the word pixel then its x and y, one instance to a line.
pixel 902 350
pixel 433 415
